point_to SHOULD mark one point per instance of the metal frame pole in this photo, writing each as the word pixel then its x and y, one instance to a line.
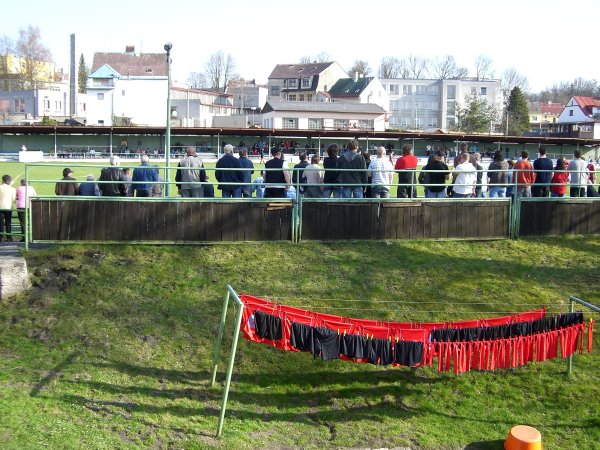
pixel 168 47
pixel 27 209
pixel 594 308
pixel 220 338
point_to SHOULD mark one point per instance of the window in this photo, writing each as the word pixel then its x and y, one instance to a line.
pixel 19 105
pixel 405 121
pixel 473 90
pixel 407 89
pixel 394 89
pixel 100 122
pixel 570 112
pixel 292 83
pixel 4 106
pixel 432 89
pixel 451 92
pixel 341 124
pixel 394 105
pixel 46 104
pixel 366 124
pixel 274 90
pixel 123 92
pixel 309 98
pixel 393 121
pixel 483 90
pixel 432 122
pixel 301 97
pixel 315 124
pixel 305 82
pixel 450 123
pixel 450 107
pixel 100 96
pixel 292 97
pixel 290 123
pixel 421 89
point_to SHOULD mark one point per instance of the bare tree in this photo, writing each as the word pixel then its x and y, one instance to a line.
pixel 417 66
pixel 461 72
pixel 483 68
pixel 305 59
pixel 389 67
pixel 219 69
pixel 197 80
pixel 35 54
pixel 444 68
pixel 360 66
pixel 512 79
pixel 320 58
pixel 7 46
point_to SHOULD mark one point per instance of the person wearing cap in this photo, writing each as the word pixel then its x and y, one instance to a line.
pixel 114 179
pixel 276 176
pixel 67 185
pixel 438 174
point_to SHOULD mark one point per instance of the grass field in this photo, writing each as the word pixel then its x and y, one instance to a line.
pixel 113 347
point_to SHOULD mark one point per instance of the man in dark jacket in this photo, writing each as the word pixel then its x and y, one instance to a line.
pixel 353 181
pixel 67 185
pixel 228 161
pixel 143 179
pixel 114 180
pixel 246 174
pixel 298 172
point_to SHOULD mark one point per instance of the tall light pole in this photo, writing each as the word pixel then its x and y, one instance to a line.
pixel 168 47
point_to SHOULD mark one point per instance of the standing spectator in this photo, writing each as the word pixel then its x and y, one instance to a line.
pixel 258 185
pixel 276 176
pixel 382 175
pixel 190 175
pixel 464 177
pixel 525 175
pixel 367 157
pixel 510 188
pixel 406 165
pixel 114 179
pixel 228 161
pixel 314 178
pixel 542 167
pixel 24 194
pixel 438 174
pixel 498 175
pixel 354 178
pixel 8 196
pixel 143 178
pixel 298 173
pixel 67 185
pixel 476 158
pixel 424 177
pixel 247 173
pixel 89 188
pixel 559 180
pixel 127 173
pixel 592 172
pixel 157 188
pixel 331 179
pixel 579 175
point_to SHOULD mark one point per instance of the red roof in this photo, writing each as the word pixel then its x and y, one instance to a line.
pixel 551 108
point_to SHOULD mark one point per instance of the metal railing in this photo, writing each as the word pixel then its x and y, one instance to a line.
pixel 594 308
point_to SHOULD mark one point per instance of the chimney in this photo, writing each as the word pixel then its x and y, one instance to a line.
pixel 355 76
pixel 130 49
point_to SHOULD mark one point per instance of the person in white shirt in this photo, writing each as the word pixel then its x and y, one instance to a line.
pixel 8 196
pixel 313 173
pixel 24 194
pixel 465 177
pixel 579 175
pixel 382 174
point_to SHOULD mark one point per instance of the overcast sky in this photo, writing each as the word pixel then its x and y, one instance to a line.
pixel 543 40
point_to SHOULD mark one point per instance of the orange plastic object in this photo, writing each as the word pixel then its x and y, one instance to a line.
pixel 522 437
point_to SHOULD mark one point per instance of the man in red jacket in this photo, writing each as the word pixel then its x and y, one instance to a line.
pixel 406 165
pixel 525 175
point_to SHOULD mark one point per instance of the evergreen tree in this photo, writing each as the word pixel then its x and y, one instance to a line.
pixel 82 75
pixel 516 116
pixel 476 116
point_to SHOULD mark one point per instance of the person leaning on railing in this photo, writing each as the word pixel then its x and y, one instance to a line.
pixel 498 176
pixel 438 174
pixel 331 179
pixel 24 194
pixel 559 180
pixel 579 175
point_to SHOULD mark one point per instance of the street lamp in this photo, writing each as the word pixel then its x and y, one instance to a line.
pixel 168 47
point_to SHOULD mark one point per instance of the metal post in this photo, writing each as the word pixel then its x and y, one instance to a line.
pixel 168 46
pixel 27 208
pixel 594 308
pixel 220 338
pixel 236 335
pixel 570 366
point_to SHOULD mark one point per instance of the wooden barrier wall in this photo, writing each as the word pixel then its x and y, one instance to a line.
pixel 558 217
pixel 404 220
pixel 89 220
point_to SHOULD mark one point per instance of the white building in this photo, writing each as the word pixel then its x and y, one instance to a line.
pixel 360 90
pixel 302 82
pixel 200 108
pixel 579 119
pixel 31 105
pixel 418 104
pixel 323 116
pixel 127 88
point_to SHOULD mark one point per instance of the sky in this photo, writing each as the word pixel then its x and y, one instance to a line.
pixel 543 40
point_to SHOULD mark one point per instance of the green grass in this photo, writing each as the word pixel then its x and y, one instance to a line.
pixel 113 347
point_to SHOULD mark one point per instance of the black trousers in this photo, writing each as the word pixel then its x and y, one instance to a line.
pixel 5 224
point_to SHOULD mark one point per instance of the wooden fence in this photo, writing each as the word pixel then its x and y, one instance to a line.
pixel 559 217
pixel 168 221
pixel 134 220
pixel 405 220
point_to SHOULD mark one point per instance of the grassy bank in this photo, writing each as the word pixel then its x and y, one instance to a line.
pixel 113 347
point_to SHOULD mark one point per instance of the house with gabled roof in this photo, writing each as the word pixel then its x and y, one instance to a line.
pixel 360 89
pixel 278 114
pixel 580 118
pixel 127 88
pixel 303 82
